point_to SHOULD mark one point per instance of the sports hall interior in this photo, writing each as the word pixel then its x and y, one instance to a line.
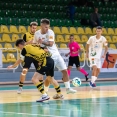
pixel 15 17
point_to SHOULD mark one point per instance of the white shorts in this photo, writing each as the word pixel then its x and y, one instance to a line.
pixel 96 62
pixel 59 62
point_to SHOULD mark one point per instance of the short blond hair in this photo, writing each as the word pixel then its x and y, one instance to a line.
pixel 33 24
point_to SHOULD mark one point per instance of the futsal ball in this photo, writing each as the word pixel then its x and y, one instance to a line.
pixel 76 82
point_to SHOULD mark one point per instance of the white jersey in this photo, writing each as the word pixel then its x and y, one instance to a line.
pixel 49 36
pixel 96 46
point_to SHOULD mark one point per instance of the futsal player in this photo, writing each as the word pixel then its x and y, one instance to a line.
pixel 28 36
pixel 74 57
pixel 43 63
pixel 94 49
pixel 46 38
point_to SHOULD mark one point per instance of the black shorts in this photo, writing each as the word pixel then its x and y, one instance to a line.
pixel 47 70
pixel 74 60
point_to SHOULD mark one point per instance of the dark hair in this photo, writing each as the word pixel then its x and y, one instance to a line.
pixel 20 41
pixel 45 21
pixel 71 36
pixel 99 27
pixel 33 24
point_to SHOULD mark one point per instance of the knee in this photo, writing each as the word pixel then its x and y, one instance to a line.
pixel 95 68
pixel 24 72
pixel 98 69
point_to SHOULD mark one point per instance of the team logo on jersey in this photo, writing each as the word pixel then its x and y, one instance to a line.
pixel 72 48
pixel 92 60
pixel 51 37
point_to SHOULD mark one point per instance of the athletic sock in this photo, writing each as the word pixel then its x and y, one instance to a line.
pixel 21 84
pixel 67 84
pixel 58 90
pixel 69 72
pixel 83 71
pixel 93 79
pixel 40 87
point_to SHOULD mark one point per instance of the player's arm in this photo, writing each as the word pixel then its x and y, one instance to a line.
pixel 51 39
pixel 87 47
pixel 15 64
pixel 67 54
pixel 106 47
pixel 22 56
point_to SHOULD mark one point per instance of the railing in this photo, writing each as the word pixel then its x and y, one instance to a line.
pixel 17 58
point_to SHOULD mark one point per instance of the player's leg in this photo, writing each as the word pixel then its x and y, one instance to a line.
pixel 93 64
pixel 22 79
pixel 46 84
pixel 70 64
pixel 26 65
pixel 60 64
pixel 39 85
pixel 77 63
pixel 50 78
pixel 98 69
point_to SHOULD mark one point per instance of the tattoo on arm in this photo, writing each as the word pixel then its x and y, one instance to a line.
pixel 46 43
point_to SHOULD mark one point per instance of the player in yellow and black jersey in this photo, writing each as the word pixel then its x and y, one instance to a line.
pixel 29 36
pixel 43 63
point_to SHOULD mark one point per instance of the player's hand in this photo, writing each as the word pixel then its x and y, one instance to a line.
pixel 46 50
pixel 66 55
pixel 103 56
pixel 10 67
pixel 40 41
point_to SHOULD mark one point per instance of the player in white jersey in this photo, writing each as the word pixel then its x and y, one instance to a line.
pixel 46 38
pixel 94 49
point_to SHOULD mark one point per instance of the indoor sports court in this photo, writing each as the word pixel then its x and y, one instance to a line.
pixel 87 102
pixel 78 28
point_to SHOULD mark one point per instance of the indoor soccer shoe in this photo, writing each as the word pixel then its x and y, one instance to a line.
pixel 92 84
pixel 70 90
pixel 57 96
pixel 19 91
pixel 43 98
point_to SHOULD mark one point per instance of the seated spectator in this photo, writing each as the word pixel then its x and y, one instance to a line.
pixel 95 19
pixel 71 11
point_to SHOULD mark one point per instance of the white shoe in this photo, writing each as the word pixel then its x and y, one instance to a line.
pixel 57 96
pixel 43 98
pixel 70 90
pixel 19 90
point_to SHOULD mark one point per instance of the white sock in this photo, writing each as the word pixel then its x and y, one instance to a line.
pixel 44 94
pixel 93 79
pixel 46 88
pixel 67 84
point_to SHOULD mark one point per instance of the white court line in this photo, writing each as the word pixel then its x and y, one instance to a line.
pixel 30 114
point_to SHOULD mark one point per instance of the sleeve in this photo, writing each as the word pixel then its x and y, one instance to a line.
pixel 24 37
pixel 89 41
pixel 105 43
pixel 22 54
pixel 51 36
